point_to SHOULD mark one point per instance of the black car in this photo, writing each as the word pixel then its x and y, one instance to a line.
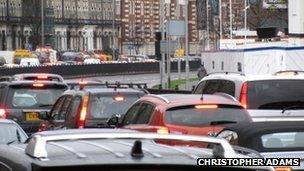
pixel 275 139
pixel 90 107
pixel 113 150
pixel 24 96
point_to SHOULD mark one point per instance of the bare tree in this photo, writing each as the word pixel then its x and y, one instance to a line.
pixel 259 16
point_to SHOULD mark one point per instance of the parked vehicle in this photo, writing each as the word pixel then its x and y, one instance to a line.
pixel 29 62
pixel 266 97
pixel 114 150
pixel 270 139
pixel 182 114
pixel 90 106
pixel 24 96
pixel 11 132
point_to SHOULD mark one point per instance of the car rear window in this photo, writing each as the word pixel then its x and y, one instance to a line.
pixel 104 106
pixel 191 116
pixel 23 98
pixel 275 94
pixel 286 140
pixel 8 133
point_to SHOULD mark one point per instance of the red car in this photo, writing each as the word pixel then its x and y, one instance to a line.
pixel 183 114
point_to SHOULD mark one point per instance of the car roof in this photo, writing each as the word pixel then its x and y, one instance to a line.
pixel 249 133
pixel 173 100
pixel 82 147
pixel 252 77
pixel 7 121
pixel 97 90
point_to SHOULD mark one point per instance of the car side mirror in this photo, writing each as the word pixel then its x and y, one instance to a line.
pixel 113 121
pixel 44 116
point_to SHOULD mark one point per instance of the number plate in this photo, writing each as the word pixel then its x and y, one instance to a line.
pixel 32 116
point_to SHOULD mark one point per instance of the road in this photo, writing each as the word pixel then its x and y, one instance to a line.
pixel 150 79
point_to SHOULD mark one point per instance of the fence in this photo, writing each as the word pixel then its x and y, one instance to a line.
pixel 69 71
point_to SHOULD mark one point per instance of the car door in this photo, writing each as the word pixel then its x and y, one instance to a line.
pixel 73 111
pixel 130 116
pixel 58 113
pixel 142 118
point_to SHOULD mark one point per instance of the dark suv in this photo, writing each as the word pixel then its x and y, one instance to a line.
pixel 91 107
pixel 24 96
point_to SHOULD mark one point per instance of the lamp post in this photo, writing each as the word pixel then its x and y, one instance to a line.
pixel 113 27
pixel 42 23
pixel 186 44
pixel 245 22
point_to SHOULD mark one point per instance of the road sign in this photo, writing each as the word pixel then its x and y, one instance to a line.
pixel 164 46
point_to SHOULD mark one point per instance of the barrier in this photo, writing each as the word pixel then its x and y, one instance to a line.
pixel 69 71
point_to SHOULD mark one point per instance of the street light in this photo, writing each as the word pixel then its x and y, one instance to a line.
pixel 113 46
pixel 42 23
pixel 186 44
pixel 245 22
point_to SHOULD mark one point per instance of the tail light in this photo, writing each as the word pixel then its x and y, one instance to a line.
pixel 162 130
pixel 38 85
pixel 283 169
pixel 83 112
pixel 243 95
pixel 42 77
pixel 2 114
pixel 42 127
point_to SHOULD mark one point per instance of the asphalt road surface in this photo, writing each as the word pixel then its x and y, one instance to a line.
pixel 150 79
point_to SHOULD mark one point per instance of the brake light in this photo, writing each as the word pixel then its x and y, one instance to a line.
pixel 162 130
pixel 119 98
pixel 243 95
pixel 83 82
pixel 206 106
pixel 42 77
pixel 283 169
pixel 83 112
pixel 42 127
pixel 2 114
pixel 38 85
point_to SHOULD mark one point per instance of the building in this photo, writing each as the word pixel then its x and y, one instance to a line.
pixel 141 19
pixel 80 25
pixel 259 15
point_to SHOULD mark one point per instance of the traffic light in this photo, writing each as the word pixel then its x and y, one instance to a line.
pixel 157 45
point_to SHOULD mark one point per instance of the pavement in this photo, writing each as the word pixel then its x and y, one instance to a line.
pixel 150 79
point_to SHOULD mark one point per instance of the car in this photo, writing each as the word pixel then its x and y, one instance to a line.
pixel 266 97
pixel 90 107
pixel 77 84
pixel 182 114
pixel 114 150
pixel 24 96
pixel 277 139
pixel 91 61
pixel 29 62
pixel 11 133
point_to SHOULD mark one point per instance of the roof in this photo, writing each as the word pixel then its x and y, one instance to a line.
pixel 242 77
pixel 109 146
pixel 249 133
pixel 97 90
pixel 7 121
pixel 192 99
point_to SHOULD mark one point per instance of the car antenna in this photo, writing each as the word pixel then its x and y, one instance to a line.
pixel 136 150
pixel 202 97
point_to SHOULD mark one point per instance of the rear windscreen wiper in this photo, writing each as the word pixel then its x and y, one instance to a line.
pixel 45 105
pixel 292 107
pixel 222 122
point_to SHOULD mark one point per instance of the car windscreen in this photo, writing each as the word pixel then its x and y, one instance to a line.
pixel 104 106
pixel 276 94
pixel 283 140
pixel 29 98
pixel 197 117
pixel 10 133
